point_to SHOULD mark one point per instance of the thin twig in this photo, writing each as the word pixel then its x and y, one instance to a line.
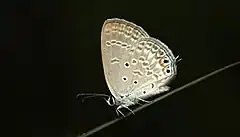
pixel 158 99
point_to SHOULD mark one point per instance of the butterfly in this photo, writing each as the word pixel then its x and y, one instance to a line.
pixel 136 66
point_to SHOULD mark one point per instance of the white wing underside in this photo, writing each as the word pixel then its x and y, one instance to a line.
pixel 132 59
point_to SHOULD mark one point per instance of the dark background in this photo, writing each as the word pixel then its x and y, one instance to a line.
pixel 54 53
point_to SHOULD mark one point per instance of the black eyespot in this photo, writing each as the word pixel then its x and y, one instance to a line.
pixel 135 82
pixel 165 61
pixel 144 92
pixel 168 71
pixel 127 64
pixel 124 78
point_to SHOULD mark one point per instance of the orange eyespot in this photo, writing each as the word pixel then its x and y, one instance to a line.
pixel 163 62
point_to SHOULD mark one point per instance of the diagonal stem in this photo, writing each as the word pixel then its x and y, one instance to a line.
pixel 158 99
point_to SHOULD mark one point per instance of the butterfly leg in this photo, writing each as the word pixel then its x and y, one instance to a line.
pixel 118 111
pixel 144 100
pixel 139 103
pixel 110 101
pixel 127 108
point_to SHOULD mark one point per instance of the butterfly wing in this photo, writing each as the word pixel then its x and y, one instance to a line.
pixel 155 67
pixel 118 39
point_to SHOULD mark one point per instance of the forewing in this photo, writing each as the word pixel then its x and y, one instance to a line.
pixel 118 38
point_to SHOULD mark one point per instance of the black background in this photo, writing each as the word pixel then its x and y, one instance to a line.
pixel 55 54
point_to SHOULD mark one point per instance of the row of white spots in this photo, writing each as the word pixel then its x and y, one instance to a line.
pixel 117 43
pixel 123 29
